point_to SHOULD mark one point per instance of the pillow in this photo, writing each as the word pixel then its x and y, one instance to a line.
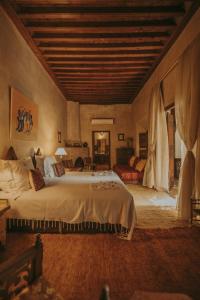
pixel 58 169
pixel 48 168
pixel 40 163
pixel 132 160
pixel 28 163
pixel 13 176
pixel 65 163
pixel 36 179
pixel 5 175
pixel 140 165
pixel 70 163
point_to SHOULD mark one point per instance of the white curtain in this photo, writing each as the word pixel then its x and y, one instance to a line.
pixel 187 110
pixel 157 168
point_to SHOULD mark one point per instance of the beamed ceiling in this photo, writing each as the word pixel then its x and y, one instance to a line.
pixel 100 51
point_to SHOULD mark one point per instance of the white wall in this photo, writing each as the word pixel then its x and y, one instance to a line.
pixel 122 114
pixel 20 68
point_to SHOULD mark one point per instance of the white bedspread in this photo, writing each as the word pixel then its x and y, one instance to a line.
pixel 78 197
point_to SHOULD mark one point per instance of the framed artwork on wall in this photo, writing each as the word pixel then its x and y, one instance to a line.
pixel 24 117
pixel 59 136
pixel 120 136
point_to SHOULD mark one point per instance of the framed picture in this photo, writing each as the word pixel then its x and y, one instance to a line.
pixel 120 136
pixel 59 136
pixel 24 117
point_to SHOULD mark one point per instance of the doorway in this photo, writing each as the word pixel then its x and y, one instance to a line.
pixel 101 149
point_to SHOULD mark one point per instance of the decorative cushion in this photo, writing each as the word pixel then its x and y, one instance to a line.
pixel 65 163
pixel 28 163
pixel 59 169
pixel 140 165
pixel 13 176
pixel 132 160
pixel 49 161
pixel 11 155
pixel 70 163
pixel 36 179
pixel 40 163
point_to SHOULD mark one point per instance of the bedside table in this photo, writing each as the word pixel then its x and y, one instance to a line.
pixel 195 211
pixel 4 206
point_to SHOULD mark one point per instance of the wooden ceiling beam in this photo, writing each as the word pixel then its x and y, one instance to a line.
pixel 64 58
pixel 60 55
pixel 97 72
pixel 133 70
pixel 48 47
pixel 97 30
pixel 110 59
pixel 101 64
pixel 98 76
pixel 98 67
pixel 102 14
pixel 110 3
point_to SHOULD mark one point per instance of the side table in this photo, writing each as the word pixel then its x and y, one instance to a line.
pixel 4 206
pixel 195 211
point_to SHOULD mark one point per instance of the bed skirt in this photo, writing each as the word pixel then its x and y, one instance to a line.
pixel 41 226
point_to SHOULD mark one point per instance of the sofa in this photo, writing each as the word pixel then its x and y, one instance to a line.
pixel 133 172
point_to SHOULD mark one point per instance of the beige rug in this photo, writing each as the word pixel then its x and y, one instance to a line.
pixel 154 209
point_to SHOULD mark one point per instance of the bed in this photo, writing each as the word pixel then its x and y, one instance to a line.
pixel 75 202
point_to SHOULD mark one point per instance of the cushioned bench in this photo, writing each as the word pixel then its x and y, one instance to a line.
pixel 132 173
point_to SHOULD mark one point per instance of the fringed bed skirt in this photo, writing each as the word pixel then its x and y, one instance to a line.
pixel 23 225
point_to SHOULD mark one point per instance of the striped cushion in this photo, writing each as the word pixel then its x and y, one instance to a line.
pixel 59 169
pixel 36 179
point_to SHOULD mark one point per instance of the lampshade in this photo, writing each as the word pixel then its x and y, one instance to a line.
pixel 60 151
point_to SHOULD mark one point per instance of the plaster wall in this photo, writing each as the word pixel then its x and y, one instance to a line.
pixel 73 121
pixel 121 113
pixel 20 68
pixel 141 103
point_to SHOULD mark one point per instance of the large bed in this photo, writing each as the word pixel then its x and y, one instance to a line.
pixel 75 202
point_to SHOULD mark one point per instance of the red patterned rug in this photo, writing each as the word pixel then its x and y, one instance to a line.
pixel 162 260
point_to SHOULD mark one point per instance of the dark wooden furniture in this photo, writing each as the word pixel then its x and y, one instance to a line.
pixel 195 211
pixel 123 154
pixel 4 206
pixel 143 144
pixel 20 271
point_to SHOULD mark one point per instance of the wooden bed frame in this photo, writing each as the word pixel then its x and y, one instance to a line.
pixel 20 271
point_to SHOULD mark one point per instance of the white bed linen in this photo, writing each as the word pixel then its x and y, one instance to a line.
pixel 78 197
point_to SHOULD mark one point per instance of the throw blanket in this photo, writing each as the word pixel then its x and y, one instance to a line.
pixel 78 197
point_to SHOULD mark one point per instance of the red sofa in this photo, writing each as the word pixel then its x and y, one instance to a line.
pixel 129 174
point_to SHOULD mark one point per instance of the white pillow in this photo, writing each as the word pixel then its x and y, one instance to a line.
pixel 13 176
pixel 48 168
pixel 28 163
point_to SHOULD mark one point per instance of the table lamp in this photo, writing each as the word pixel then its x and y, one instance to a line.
pixel 60 152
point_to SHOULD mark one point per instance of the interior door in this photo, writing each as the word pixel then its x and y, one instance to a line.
pixel 101 148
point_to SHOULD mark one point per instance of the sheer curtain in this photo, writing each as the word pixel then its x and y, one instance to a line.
pixel 157 168
pixel 187 109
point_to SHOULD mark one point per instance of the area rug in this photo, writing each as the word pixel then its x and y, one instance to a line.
pixel 154 209
pixel 162 260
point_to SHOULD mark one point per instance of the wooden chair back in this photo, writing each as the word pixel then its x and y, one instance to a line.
pixel 19 271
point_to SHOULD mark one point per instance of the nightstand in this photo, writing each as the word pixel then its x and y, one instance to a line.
pixel 4 206
pixel 195 211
